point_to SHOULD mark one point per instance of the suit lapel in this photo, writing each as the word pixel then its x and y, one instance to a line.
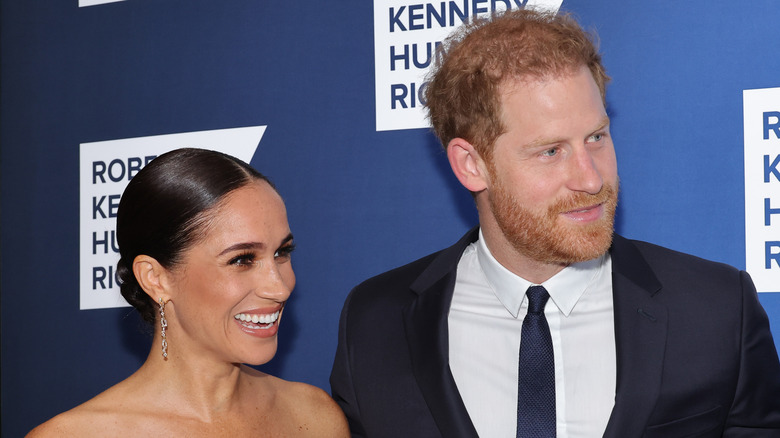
pixel 425 321
pixel 640 339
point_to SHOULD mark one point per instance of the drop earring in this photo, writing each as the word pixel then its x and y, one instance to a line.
pixel 163 326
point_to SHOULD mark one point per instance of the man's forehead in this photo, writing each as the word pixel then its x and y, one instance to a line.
pixel 514 83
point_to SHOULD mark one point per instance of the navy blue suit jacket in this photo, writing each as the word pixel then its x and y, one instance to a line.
pixel 695 357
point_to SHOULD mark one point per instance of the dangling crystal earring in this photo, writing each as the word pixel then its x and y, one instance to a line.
pixel 163 326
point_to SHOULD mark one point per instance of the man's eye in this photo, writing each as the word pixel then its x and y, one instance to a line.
pixel 595 138
pixel 550 152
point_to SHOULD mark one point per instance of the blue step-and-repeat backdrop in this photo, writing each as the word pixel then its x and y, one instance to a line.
pixel 325 98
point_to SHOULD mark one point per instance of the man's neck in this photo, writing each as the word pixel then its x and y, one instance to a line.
pixel 519 264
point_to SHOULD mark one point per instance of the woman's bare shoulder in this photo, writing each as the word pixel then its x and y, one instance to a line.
pixel 61 425
pixel 318 414
pixel 88 419
pixel 309 408
pixel 111 410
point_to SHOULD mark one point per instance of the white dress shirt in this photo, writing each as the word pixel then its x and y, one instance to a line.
pixel 485 322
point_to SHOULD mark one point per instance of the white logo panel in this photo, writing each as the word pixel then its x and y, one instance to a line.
pixel 406 35
pixel 105 168
pixel 761 113
pixel 83 3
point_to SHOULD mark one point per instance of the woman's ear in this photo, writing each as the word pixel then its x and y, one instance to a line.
pixel 467 165
pixel 152 277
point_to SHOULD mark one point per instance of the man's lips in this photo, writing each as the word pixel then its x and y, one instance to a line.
pixel 585 214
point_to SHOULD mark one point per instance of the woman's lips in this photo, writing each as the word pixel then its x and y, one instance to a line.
pixel 261 323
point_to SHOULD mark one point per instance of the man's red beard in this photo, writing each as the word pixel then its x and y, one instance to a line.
pixel 547 237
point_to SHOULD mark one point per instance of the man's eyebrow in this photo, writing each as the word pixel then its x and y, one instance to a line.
pixel 542 142
pixel 604 123
pixel 552 140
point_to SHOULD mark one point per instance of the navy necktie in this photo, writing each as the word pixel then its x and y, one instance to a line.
pixel 536 373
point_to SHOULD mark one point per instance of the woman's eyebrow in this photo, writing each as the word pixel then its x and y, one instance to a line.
pixel 243 246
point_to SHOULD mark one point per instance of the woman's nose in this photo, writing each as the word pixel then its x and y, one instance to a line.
pixel 276 281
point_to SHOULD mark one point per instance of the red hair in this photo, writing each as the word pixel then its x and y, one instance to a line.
pixel 463 92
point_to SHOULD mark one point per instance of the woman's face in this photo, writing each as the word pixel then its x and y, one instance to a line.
pixel 229 291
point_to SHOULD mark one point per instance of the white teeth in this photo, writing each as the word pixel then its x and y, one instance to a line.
pixel 256 318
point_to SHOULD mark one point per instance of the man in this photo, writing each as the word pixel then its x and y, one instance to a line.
pixel 622 339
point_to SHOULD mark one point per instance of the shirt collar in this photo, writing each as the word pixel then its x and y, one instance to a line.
pixel 565 288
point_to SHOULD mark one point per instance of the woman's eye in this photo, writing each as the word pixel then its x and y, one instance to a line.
pixel 283 254
pixel 243 260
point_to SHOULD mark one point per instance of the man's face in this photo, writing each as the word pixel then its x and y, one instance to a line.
pixel 553 181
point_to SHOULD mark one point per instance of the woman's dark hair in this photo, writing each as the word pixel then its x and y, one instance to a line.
pixel 163 211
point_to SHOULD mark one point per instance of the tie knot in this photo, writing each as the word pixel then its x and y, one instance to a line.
pixel 537 298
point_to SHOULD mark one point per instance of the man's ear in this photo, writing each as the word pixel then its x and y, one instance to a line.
pixel 152 277
pixel 467 165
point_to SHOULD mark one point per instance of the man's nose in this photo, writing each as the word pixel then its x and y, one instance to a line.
pixel 585 175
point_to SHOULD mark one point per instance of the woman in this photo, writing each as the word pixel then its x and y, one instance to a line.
pixel 205 257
